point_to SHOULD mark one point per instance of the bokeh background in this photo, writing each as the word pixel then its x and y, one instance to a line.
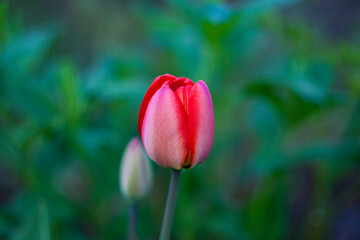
pixel 285 81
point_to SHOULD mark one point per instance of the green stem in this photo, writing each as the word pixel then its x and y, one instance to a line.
pixel 170 205
pixel 132 222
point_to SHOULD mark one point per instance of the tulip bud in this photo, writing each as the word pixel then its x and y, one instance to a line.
pixel 176 122
pixel 135 171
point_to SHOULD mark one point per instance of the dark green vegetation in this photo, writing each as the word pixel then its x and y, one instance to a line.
pixel 285 81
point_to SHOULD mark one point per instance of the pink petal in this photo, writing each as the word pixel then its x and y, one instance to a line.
pixel 180 82
pixel 164 130
pixel 183 95
pixel 200 122
pixel 155 85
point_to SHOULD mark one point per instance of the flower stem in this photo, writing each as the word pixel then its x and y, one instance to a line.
pixel 170 205
pixel 132 222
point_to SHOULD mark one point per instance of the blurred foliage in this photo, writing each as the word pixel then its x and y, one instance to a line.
pixel 285 160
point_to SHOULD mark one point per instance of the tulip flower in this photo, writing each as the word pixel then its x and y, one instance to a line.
pixel 176 122
pixel 135 173
pixel 135 179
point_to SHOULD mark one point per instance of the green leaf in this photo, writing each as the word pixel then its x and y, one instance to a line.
pixel 44 221
pixel 27 51
pixel 72 102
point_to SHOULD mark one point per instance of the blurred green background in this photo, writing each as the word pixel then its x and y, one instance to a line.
pixel 285 81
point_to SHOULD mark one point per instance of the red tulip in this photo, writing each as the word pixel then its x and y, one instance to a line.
pixel 176 122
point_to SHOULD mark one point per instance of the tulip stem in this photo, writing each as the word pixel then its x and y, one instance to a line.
pixel 170 205
pixel 132 222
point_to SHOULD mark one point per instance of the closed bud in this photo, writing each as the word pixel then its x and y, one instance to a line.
pixel 135 171
pixel 176 122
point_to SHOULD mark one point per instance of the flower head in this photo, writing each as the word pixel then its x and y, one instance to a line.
pixel 176 122
pixel 135 172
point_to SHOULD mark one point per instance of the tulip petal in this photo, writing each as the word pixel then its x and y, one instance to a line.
pixel 164 131
pixel 200 122
pixel 183 95
pixel 156 84
pixel 180 82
